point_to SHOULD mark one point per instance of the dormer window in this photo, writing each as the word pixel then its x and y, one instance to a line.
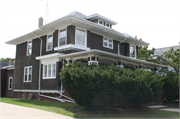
pixel 101 22
pixel 107 25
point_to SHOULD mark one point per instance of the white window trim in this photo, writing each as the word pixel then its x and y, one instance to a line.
pixel 11 83
pixel 101 21
pixel 65 28
pixel 108 43
pixel 28 73
pixel 27 48
pixel 47 42
pixel 85 36
pixel 51 71
pixel 130 52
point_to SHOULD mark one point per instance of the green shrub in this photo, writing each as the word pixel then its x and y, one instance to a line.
pixel 171 87
pixel 108 85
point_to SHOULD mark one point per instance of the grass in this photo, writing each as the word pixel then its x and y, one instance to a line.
pixel 74 110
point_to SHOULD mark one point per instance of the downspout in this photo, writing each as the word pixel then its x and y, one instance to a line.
pixel 39 64
pixel 61 81
pixel 120 43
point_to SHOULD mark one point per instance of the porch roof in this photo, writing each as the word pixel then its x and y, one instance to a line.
pixel 109 56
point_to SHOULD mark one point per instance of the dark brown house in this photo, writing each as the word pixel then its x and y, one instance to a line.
pixel 90 39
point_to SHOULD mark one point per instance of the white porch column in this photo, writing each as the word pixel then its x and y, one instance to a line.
pixel 120 64
pixel 93 60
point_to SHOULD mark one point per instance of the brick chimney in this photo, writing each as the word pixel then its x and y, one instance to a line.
pixel 136 37
pixel 141 39
pixel 40 22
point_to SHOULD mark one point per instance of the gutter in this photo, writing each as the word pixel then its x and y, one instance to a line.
pixel 120 43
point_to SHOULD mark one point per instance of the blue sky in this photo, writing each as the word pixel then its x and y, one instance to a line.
pixel 155 21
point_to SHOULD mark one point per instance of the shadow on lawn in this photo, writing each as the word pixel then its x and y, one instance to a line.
pixel 71 109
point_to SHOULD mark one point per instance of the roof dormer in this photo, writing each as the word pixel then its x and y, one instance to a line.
pixel 103 21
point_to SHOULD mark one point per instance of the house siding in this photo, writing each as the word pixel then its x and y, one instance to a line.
pixel 136 52
pixel 3 82
pixel 51 84
pixel 22 61
pixel 124 49
pixel 95 41
pixel 10 73
pixel 71 34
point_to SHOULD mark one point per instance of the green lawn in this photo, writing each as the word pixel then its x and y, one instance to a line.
pixel 74 110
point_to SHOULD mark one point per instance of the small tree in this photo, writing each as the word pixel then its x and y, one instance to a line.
pixel 5 59
pixel 171 58
pixel 145 54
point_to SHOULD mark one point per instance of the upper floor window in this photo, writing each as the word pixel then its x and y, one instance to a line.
pixel 133 51
pixel 28 74
pixel 10 83
pixel 101 22
pixel 108 43
pixel 62 37
pixel 80 37
pixel 29 48
pixel 49 42
pixel 49 71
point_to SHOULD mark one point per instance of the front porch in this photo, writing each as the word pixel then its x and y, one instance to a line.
pixel 100 57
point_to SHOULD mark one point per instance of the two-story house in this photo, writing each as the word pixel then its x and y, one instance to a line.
pixel 89 39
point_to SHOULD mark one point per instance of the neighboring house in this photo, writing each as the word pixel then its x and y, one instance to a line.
pixel 161 51
pixel 3 77
pixel 40 54
pixel 3 64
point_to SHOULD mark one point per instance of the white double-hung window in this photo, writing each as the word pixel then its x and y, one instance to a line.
pixel 132 51
pixel 49 43
pixel 80 37
pixel 62 37
pixel 10 83
pixel 28 74
pixel 29 48
pixel 108 43
pixel 49 71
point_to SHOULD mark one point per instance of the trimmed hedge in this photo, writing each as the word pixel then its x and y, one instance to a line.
pixel 107 85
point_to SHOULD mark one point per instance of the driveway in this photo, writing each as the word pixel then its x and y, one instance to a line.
pixel 9 111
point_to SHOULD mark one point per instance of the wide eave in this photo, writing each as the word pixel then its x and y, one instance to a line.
pixel 73 20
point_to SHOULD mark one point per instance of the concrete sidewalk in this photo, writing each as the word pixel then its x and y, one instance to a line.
pixel 9 111
pixel 165 108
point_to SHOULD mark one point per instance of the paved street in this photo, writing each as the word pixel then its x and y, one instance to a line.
pixel 9 111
